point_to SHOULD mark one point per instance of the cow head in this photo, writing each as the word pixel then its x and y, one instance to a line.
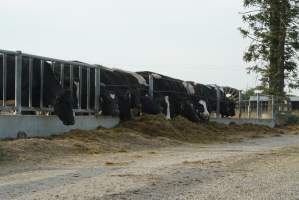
pixel 109 103
pixel 124 100
pixel 227 108
pixel 201 108
pixel 63 107
pixel 189 112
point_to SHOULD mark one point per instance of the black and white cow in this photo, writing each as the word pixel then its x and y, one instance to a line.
pixel 172 95
pixel 53 94
pixel 207 96
pixel 129 88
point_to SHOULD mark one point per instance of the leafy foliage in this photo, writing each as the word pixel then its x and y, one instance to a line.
pixel 273 27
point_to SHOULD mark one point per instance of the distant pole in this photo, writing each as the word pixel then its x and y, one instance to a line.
pixel 240 104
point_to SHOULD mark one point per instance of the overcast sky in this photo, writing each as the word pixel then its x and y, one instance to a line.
pixel 194 40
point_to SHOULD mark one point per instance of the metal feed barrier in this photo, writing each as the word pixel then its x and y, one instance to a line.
pixel 57 65
pixel 258 109
pixel 67 72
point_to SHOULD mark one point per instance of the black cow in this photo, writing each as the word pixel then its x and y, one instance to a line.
pixel 53 94
pixel 172 95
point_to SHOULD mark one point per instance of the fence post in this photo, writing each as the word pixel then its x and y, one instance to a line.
pixel 18 82
pixel 240 104
pixel 151 85
pixel 97 88
pixel 258 106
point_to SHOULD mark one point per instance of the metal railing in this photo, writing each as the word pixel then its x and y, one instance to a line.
pixel 256 108
pixel 84 73
pixel 262 107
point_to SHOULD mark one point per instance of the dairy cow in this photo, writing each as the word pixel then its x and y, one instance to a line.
pixel 129 88
pixel 172 95
pixel 207 96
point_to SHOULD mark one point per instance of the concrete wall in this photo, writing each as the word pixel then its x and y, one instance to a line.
pixel 265 122
pixel 34 125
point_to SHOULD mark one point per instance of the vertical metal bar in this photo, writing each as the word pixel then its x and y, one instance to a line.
pixel 71 78
pixel 273 108
pixel 18 82
pixel 41 84
pixel 240 104
pixel 151 85
pixel 62 75
pixel 258 106
pixel 80 88
pixel 218 102
pixel 249 109
pixel 4 79
pixel 30 81
pixel 88 88
pixel 97 89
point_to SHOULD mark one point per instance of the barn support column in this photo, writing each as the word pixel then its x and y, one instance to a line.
pixel 151 85
pixel 18 81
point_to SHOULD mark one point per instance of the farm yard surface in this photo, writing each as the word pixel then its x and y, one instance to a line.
pixel 152 158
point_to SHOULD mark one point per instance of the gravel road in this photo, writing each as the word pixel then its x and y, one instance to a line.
pixel 253 169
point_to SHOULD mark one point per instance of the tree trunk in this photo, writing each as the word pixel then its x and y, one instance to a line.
pixel 279 10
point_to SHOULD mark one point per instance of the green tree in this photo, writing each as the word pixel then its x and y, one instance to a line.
pixel 272 25
pixel 248 93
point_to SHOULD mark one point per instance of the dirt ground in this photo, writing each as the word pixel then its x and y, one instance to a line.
pixel 145 132
pixel 154 159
